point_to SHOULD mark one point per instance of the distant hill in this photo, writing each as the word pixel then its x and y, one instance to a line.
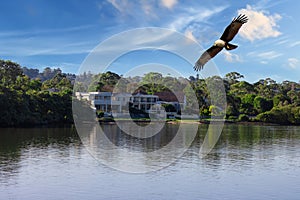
pixel 47 74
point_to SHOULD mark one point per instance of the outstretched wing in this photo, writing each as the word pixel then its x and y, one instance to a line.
pixel 233 28
pixel 206 56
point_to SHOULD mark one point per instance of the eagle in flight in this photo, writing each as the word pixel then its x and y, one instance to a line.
pixel 229 33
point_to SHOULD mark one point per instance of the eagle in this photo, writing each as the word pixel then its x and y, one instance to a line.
pixel 228 34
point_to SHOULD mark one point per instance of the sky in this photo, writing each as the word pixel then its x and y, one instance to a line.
pixel 43 33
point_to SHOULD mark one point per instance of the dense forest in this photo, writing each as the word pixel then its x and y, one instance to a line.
pixel 43 99
pixel 30 97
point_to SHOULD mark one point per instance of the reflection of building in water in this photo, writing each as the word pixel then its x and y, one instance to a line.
pixel 107 101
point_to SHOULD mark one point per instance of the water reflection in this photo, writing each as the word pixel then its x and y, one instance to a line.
pixel 252 146
pixel 19 144
pixel 246 158
pixel 239 145
pixel 116 149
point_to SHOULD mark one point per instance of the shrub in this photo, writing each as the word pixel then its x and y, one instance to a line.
pixel 281 115
pixel 262 104
pixel 232 118
pixel 100 114
pixel 243 118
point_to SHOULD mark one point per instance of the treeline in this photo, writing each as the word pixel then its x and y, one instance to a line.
pixel 26 101
pixel 263 101
pixel 29 97
pixel 46 74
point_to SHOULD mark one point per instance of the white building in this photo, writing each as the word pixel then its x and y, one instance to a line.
pixel 119 102
pixel 98 100
pixel 145 102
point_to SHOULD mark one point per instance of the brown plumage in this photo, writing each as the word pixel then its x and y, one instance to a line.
pixel 228 34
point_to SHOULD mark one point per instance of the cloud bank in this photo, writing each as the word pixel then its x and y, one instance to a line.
pixel 169 3
pixel 231 57
pixel 261 25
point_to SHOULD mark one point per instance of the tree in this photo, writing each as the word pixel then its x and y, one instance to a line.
pixel 266 88
pixel 261 104
pixel 169 107
pixel 58 82
pixel 247 104
pixel 241 88
pixel 294 97
pixel 9 71
pixel 31 73
pixel 153 82
pixel 233 77
pixel 104 82
pixel 233 105
pixel 279 100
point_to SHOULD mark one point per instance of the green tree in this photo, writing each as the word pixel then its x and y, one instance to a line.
pixel 153 82
pixel 279 100
pixel 247 104
pixel 9 72
pixel 261 104
pixel 241 88
pixel 233 77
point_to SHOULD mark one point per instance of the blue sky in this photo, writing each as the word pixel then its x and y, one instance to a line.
pixel 38 34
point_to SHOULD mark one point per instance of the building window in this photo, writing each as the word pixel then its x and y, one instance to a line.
pixel 148 106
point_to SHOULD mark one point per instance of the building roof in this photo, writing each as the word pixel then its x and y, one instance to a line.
pixel 122 94
pixel 169 96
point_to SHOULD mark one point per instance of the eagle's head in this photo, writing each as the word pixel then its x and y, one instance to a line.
pixel 220 43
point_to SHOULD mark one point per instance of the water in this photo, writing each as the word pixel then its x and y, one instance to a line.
pixel 248 162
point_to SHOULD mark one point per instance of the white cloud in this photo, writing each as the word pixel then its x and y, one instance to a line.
pixel 293 63
pixel 231 57
pixel 268 55
pixel 296 43
pixel 191 16
pixel 281 42
pixel 261 25
pixel 189 35
pixel 169 3
pixel 43 44
pixel 263 62
pixel 134 9
pixel 120 5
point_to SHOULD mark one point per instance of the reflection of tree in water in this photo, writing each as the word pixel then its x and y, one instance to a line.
pixel 17 144
pixel 157 141
pixel 247 145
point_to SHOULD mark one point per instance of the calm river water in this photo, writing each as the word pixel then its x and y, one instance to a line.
pixel 248 162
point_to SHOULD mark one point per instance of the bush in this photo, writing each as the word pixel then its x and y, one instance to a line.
pixel 281 115
pixel 279 99
pixel 232 118
pixel 231 111
pixel 100 114
pixel 243 118
pixel 274 116
pixel 262 104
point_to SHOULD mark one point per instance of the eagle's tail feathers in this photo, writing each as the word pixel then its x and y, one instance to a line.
pixel 229 46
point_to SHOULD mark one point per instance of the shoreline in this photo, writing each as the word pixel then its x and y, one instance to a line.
pixel 112 122
pixel 204 122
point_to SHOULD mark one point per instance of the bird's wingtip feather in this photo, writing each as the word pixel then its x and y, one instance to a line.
pixel 241 18
pixel 198 67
